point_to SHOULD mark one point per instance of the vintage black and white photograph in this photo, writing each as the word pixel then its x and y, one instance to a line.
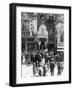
pixel 41 46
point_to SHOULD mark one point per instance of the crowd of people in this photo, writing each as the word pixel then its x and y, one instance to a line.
pixel 44 61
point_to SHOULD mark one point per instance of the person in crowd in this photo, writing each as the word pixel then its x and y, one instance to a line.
pixel 36 59
pixel 41 68
pixel 22 58
pixel 32 57
pixel 44 60
pixel 47 61
pixel 52 66
pixel 60 68
pixel 34 67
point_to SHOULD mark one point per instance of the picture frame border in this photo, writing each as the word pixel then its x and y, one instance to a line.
pixel 12 43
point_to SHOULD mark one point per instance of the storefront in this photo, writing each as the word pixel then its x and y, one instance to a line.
pixel 29 28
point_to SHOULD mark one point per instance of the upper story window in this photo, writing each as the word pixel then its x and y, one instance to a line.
pixel 25 25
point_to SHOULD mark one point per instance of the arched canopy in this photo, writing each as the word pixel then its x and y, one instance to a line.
pixel 42 32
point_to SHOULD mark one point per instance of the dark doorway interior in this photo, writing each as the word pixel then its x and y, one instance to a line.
pixel 51 46
pixel 42 45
